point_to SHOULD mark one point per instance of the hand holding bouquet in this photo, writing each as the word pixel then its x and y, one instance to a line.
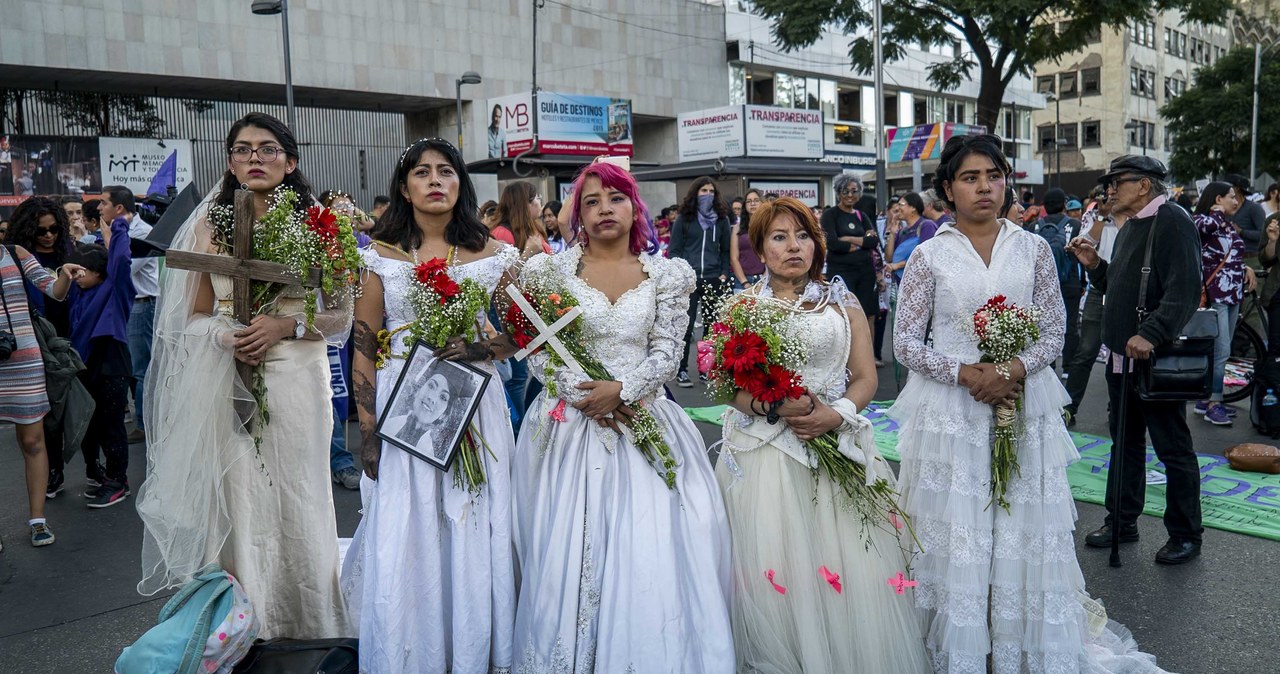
pixel 1004 330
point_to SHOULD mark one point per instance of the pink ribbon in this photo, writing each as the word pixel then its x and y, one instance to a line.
pixel 831 578
pixel 557 413
pixel 899 583
pixel 768 575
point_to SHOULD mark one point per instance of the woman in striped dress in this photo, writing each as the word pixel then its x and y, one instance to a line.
pixel 22 395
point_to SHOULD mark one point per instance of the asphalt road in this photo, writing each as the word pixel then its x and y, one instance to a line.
pixel 73 606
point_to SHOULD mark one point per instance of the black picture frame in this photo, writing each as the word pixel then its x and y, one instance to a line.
pixel 399 423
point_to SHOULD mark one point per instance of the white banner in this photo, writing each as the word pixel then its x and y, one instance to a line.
pixel 783 132
pixel 717 132
pixel 806 192
pixel 134 162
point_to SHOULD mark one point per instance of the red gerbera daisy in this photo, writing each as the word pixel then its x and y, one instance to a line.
pixel 743 351
pixel 322 221
pixel 773 385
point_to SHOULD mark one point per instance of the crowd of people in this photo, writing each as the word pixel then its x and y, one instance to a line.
pixel 579 550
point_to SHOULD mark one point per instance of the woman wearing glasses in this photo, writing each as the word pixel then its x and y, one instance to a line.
pixel 260 506
pixel 851 239
pixel 746 265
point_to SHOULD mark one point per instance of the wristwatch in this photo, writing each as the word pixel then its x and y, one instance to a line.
pixel 299 329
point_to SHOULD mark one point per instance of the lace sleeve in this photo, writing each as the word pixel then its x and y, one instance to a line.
pixel 675 282
pixel 1053 313
pixel 915 310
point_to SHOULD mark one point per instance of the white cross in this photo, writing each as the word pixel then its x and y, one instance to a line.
pixel 546 333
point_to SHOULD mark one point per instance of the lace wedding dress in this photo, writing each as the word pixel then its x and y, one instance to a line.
pixel 618 573
pixel 1004 585
pixel 429 574
pixel 788 617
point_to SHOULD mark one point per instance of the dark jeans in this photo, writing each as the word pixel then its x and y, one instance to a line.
pixel 1167 423
pixel 1080 366
pixel 106 428
pixel 1071 299
pixel 1273 326
pixel 141 331
pixel 882 321
pixel 706 297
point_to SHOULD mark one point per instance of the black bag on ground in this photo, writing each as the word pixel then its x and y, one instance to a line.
pixel 1182 369
pixel 1264 408
pixel 296 656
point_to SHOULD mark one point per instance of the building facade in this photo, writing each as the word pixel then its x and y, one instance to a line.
pixel 369 76
pixel 1104 99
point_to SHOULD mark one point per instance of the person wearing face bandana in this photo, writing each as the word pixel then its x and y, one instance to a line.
pixel 701 236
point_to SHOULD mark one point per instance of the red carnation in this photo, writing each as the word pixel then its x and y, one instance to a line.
pixel 744 350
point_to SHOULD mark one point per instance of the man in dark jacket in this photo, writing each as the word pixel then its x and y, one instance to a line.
pixel 706 249
pixel 1057 228
pixel 1250 217
pixel 1135 188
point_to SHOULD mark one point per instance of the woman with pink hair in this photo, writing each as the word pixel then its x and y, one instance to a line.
pixel 619 571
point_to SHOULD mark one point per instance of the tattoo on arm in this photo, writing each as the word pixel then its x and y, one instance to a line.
pixel 366 339
pixel 366 401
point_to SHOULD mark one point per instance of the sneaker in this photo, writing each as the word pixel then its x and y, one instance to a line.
pixel 1202 408
pixel 348 477
pixel 41 535
pixel 1217 415
pixel 682 379
pixel 92 485
pixel 702 377
pixel 56 484
pixel 110 494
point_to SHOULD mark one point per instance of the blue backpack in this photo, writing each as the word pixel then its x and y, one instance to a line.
pixel 208 626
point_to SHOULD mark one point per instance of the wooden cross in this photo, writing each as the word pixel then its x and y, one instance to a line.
pixel 546 333
pixel 242 269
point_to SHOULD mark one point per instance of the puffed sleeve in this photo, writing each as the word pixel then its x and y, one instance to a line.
pixel 911 323
pixel 675 282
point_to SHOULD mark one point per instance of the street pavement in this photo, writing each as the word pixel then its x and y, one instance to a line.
pixel 73 606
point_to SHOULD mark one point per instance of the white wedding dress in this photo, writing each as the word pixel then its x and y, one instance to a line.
pixel 1004 585
pixel 789 524
pixel 429 574
pixel 618 573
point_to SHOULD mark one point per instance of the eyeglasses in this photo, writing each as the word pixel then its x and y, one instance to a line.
pixel 753 201
pixel 1127 179
pixel 266 154
pixel 46 231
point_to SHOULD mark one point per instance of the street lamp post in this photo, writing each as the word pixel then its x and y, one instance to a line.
pixel 281 7
pixel 1057 142
pixel 469 77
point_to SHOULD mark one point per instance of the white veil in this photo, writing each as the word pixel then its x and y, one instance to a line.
pixel 193 432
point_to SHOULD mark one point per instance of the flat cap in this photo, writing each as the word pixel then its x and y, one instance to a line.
pixel 1132 163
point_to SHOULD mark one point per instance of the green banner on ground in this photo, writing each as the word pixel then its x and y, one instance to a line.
pixel 1246 503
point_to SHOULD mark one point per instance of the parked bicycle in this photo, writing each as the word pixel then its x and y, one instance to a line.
pixel 1248 344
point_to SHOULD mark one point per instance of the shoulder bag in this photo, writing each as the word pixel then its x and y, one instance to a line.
pixel 1181 369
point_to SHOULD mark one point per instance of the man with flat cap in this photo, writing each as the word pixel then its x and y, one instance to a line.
pixel 1135 186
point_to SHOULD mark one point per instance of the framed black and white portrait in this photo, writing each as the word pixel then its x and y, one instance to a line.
pixel 432 406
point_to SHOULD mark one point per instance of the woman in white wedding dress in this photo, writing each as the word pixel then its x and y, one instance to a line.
pixel 1002 591
pixel 788 615
pixel 429 574
pixel 618 573
pixel 265 514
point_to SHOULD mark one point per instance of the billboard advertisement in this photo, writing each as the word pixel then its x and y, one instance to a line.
pixel 705 134
pixel 47 165
pixel 783 132
pixel 567 124
pixel 134 162
pixel 925 141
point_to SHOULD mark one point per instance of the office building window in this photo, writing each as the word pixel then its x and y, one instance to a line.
pixel 1045 138
pixel 1090 134
pixel 1045 84
pixel 1067 84
pixel 1067 133
pixel 1091 81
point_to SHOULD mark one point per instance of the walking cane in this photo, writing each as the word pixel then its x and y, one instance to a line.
pixel 1117 460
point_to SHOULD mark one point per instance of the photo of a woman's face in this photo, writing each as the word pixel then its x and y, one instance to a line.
pixel 433 398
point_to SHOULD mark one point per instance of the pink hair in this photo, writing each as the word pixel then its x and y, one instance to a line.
pixel 643 236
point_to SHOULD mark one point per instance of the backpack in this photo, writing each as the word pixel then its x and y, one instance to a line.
pixel 1264 410
pixel 208 626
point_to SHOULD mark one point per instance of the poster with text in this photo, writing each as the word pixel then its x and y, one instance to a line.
pixel 713 133
pixel 783 132
pixel 510 130
pixel 137 163
pixel 804 191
